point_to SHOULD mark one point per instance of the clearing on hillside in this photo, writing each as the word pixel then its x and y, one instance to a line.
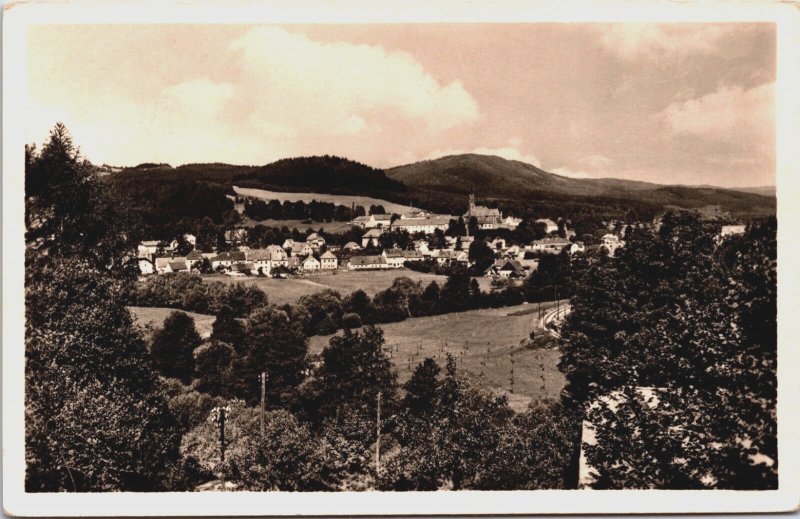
pixel 281 291
pixel 482 342
pixel 154 316
pixel 346 200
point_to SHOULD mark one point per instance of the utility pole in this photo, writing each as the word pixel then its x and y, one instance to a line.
pixel 378 438
pixel 219 415
pixel 263 380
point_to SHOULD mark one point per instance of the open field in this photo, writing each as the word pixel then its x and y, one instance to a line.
pixel 282 291
pixel 331 227
pixel 482 342
pixel 347 200
pixel 155 316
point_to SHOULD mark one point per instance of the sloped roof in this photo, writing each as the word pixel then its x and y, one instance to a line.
pixel 194 255
pixel 367 260
pixel 352 245
pixel 373 233
pixel 162 262
pixel 328 255
pixel 178 265
pixel 257 255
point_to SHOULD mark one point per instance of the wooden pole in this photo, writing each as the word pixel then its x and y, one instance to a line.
pixel 263 399
pixel 378 437
pixel 222 444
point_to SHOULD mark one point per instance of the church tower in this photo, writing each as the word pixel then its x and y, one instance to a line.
pixel 471 203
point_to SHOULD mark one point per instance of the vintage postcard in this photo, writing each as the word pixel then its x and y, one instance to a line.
pixel 274 258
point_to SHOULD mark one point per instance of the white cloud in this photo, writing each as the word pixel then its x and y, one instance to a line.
pixel 729 115
pixel 341 87
pixel 631 40
pixel 199 97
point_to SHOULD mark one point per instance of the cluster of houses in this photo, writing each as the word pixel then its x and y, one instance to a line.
pixel 306 256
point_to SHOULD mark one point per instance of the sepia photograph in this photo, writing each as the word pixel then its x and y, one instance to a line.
pixel 269 258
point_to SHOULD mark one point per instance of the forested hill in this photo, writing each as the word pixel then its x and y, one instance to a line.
pixel 166 197
pixel 496 177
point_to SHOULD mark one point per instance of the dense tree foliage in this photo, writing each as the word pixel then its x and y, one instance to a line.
pixel 669 312
pixel 172 347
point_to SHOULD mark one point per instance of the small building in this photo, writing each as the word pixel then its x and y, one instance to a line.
pixel 367 263
pixel 550 245
pixel 146 266
pixel 277 256
pixel 194 258
pixel 311 264
pixel 423 225
pixel 351 245
pixel 178 265
pixel 731 230
pixel 328 261
pixel 162 265
pixel 412 255
pixel 394 258
pixel 373 221
pixel 611 243
pixel 246 267
pixel 371 238
pixel 147 249
pixel 549 225
pixel 260 259
pixel 237 256
pixel 236 236
pixel 506 269
pixel 444 256
pixel 315 240
pixel 223 259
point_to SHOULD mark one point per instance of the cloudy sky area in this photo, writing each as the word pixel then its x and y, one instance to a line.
pixel 689 104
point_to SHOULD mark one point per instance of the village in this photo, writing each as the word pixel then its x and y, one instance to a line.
pixel 376 250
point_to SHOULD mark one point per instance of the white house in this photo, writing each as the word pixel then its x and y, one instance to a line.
pixel 315 240
pixel 193 259
pixel 550 245
pixel 372 221
pixel 423 225
pixel 162 265
pixel 394 257
pixel 611 243
pixel 147 249
pixel 260 258
pixel 412 255
pixel 277 256
pixel 328 261
pixel 311 264
pixel 367 263
pixel 730 230
pixel 223 259
pixel 550 225
pixel 146 266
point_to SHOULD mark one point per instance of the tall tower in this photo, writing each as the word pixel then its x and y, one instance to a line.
pixel 471 203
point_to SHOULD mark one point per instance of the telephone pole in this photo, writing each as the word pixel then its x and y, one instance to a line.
pixel 263 380
pixel 378 437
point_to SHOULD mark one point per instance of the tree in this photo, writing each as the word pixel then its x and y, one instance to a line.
pixel 173 346
pixel 429 304
pixel 354 368
pixel 421 388
pixel 287 457
pixel 325 309
pixel 399 301
pixel 667 312
pixel 96 415
pixel 456 292
pixel 360 303
pixel 213 364
pixel 275 343
pixel 67 213
pixel 481 256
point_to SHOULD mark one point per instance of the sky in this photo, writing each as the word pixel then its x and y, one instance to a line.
pixel 667 103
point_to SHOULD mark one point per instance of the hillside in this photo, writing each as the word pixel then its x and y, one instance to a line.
pixel 495 177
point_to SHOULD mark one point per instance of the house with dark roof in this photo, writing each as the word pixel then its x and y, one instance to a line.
pixel 394 258
pixel 371 237
pixel 367 263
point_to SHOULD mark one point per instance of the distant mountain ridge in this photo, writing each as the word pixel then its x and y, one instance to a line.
pixel 443 184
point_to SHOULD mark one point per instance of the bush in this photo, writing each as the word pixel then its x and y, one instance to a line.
pixel 351 320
